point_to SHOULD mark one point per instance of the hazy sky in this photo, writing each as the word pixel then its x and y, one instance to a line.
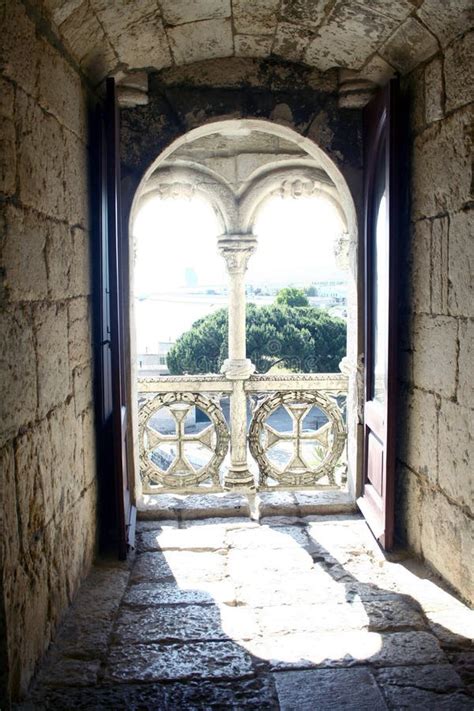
pixel 176 244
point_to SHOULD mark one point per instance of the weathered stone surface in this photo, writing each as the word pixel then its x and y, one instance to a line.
pixel 82 387
pixel 60 90
pixel 461 264
pixel 85 36
pixel 257 693
pixel 23 255
pixel 192 622
pixel 195 506
pixel 19 51
pixel 425 687
pixel 145 594
pixel 65 445
pixel 409 45
pixel 446 18
pixel 291 41
pixel 255 18
pixel 304 12
pixel 79 332
pixel 328 688
pixel 453 627
pixel 252 45
pixel 73 672
pixel 309 619
pixel 203 40
pixel 17 356
pixel 458 79
pixel 7 157
pixel 76 208
pixel 434 92
pixel 40 159
pixel 52 356
pixel 421 415
pixel 179 12
pixel 273 590
pixel 202 538
pixel 377 70
pixel 265 562
pixel 447 528
pixel 440 265
pixel 61 9
pixel 347 649
pixel 434 358
pixel 268 537
pixel 80 273
pixel 441 174
pixel 465 392
pixel 152 662
pixel 456 452
pixel 136 32
pixel 183 566
pixel 349 37
pixel 420 268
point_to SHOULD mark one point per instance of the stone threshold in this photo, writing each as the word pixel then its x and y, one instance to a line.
pixel 255 506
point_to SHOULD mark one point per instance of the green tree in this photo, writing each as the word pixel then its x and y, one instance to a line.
pixel 301 339
pixel 290 296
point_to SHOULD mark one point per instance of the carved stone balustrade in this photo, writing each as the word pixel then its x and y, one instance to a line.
pixel 295 438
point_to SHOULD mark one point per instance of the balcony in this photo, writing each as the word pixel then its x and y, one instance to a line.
pixel 212 433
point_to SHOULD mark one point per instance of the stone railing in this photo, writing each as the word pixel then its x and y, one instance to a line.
pixel 294 437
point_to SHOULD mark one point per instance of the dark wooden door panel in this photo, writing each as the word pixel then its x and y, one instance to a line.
pixel 381 198
pixel 116 509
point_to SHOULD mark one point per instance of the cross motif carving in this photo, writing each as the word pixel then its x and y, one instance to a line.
pixel 181 464
pixel 297 436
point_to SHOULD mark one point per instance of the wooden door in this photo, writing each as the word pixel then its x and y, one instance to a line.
pixel 116 510
pixel 381 191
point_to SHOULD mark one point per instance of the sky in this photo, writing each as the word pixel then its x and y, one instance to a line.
pixel 176 244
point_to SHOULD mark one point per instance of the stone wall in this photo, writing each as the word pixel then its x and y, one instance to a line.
pixel 436 452
pixel 47 451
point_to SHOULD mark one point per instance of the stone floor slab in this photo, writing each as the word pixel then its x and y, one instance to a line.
pixel 146 594
pixel 189 622
pixel 156 662
pixel 181 566
pixel 258 693
pixel 329 690
pixel 268 537
pixel 182 507
pixel 347 649
pixel 198 538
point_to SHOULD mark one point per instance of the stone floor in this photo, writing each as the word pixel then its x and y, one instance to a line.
pixel 284 614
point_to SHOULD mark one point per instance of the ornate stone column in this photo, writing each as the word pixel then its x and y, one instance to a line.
pixel 236 250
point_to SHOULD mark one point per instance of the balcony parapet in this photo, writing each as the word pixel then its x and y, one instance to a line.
pixel 186 458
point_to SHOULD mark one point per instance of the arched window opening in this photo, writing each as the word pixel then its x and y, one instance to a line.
pixel 295 274
pixel 178 279
pixel 242 296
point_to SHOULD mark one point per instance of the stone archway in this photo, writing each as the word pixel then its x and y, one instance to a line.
pixel 237 207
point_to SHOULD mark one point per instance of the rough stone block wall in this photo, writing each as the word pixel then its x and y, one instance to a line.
pixel 436 449
pixel 47 449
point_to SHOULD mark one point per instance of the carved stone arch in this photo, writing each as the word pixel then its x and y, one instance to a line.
pixel 182 179
pixel 293 180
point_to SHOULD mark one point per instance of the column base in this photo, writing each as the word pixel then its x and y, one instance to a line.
pixel 239 477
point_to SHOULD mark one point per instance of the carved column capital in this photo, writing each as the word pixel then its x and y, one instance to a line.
pixel 237 250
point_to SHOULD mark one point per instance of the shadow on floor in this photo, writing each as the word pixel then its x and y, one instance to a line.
pixel 274 620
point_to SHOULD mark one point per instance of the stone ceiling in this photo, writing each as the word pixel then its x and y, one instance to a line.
pixel 370 36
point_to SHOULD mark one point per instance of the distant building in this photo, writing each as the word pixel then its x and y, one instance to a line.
pixel 152 364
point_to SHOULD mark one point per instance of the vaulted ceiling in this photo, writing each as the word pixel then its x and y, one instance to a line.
pixel 370 36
